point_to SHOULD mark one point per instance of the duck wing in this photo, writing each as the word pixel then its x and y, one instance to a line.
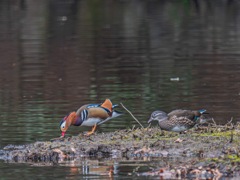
pixel 177 124
pixel 103 111
pixel 182 113
pixel 98 112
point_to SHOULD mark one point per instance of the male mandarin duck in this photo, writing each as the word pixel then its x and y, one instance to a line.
pixel 177 120
pixel 90 115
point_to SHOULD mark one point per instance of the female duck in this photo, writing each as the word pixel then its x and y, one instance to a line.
pixel 177 120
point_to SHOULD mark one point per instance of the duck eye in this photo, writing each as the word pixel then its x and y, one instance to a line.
pixel 63 125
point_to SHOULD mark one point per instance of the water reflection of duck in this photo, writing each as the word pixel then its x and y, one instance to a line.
pixel 95 167
pixel 89 115
pixel 178 120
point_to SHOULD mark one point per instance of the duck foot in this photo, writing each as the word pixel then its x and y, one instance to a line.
pixel 92 131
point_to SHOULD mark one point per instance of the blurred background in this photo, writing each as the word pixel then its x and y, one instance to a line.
pixel 57 55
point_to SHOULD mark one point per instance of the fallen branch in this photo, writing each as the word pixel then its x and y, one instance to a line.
pixel 131 115
pixel 214 122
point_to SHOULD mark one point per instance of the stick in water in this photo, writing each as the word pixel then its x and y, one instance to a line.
pixel 131 115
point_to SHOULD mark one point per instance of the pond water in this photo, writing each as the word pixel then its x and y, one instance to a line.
pixel 57 55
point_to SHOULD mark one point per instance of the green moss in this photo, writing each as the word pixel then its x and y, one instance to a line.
pixel 220 134
pixel 233 158
pixel 216 160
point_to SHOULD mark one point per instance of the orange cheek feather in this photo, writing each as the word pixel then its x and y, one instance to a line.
pixel 69 121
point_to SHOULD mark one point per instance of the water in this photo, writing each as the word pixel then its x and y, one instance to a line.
pixel 59 55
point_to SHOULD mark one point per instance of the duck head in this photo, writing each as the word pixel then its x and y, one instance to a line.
pixel 158 116
pixel 66 122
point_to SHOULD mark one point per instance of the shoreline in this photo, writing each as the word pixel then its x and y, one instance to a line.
pixel 215 147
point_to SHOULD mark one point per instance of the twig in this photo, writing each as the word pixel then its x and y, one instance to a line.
pixel 149 125
pixel 131 115
pixel 229 122
pixel 231 139
pixel 214 122
pixel 133 127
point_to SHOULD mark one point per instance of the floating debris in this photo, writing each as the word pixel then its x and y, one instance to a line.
pixel 175 79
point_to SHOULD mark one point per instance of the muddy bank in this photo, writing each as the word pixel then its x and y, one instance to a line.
pixel 210 149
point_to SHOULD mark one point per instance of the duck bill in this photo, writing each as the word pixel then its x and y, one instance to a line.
pixel 150 120
pixel 63 134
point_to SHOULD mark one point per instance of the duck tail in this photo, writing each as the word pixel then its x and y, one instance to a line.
pixel 115 105
pixel 202 111
pixel 114 114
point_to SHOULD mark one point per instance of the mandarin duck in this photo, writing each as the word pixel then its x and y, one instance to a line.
pixel 177 120
pixel 90 115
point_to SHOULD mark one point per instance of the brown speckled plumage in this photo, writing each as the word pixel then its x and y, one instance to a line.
pixel 177 120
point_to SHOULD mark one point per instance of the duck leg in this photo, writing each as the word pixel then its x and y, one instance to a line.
pixel 92 131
